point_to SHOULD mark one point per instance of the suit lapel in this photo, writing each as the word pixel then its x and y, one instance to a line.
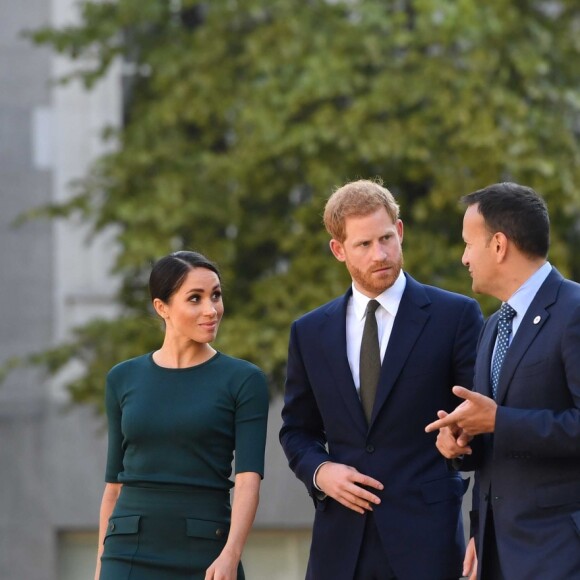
pixel 334 347
pixel 533 321
pixel 409 323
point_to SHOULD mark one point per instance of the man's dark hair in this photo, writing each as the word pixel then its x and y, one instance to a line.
pixel 518 212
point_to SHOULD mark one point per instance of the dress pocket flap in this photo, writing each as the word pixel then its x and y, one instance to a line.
pixel 444 489
pixel 206 529
pixel 123 525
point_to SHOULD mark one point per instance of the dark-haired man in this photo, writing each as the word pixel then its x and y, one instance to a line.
pixel 521 427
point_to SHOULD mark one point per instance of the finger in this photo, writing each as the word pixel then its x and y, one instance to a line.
pixel 366 480
pixel 453 451
pixel 447 453
pixel 364 496
pixel 464 449
pixel 362 502
pixel 354 508
pixel 456 449
pixel 446 421
pixel 464 439
pixel 454 429
pixel 346 502
pixel 464 393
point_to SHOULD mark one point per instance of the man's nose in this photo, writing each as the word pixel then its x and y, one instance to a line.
pixel 379 252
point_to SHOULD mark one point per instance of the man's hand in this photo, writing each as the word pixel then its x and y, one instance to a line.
pixel 343 483
pixel 470 561
pixel 474 416
pixel 448 440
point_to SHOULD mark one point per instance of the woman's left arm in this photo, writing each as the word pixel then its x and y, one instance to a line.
pixel 246 497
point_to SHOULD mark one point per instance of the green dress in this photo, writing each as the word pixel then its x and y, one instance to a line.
pixel 172 438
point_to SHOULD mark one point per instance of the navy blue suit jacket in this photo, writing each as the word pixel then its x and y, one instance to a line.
pixel 431 348
pixel 531 463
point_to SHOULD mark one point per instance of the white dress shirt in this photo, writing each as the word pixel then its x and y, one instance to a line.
pixel 389 302
pixel 521 299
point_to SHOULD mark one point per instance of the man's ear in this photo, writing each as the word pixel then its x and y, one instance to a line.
pixel 399 226
pixel 337 250
pixel 499 243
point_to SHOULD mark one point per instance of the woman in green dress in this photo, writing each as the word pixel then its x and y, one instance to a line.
pixel 175 418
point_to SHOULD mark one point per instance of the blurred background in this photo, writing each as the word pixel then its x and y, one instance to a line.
pixel 132 128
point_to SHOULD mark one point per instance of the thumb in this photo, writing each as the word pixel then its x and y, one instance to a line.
pixel 463 393
pixel 442 414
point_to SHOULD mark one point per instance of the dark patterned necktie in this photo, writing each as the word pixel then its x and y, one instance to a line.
pixel 370 360
pixel 504 329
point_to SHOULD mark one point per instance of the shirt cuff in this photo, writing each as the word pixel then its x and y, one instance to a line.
pixel 320 495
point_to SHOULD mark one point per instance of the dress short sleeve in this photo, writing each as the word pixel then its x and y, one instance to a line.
pixel 251 423
pixel 115 444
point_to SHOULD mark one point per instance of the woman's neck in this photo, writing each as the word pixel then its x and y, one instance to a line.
pixel 178 356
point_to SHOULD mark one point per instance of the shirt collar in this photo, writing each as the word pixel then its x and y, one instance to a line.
pixel 521 299
pixel 389 299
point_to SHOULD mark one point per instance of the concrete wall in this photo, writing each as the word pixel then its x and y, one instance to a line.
pixel 26 307
pixel 51 457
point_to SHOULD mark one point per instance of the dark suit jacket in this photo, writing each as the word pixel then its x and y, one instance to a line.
pixel 531 464
pixel 431 348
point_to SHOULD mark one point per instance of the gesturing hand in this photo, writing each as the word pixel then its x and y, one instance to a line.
pixel 452 441
pixel 474 416
pixel 343 483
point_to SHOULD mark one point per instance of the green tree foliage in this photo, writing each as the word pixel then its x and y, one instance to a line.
pixel 242 116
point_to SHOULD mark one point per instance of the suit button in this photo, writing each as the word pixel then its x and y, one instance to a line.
pixel 220 533
pixel 112 527
pixel 370 448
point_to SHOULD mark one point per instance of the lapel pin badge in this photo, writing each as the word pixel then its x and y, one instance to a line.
pixel 537 319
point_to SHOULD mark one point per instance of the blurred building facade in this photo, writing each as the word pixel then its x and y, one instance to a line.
pixel 52 455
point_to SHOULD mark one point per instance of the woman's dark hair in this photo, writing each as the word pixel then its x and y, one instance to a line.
pixel 518 212
pixel 169 272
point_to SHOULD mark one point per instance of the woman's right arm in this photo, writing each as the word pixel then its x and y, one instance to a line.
pixel 110 496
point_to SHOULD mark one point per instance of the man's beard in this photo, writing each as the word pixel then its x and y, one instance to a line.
pixel 373 283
